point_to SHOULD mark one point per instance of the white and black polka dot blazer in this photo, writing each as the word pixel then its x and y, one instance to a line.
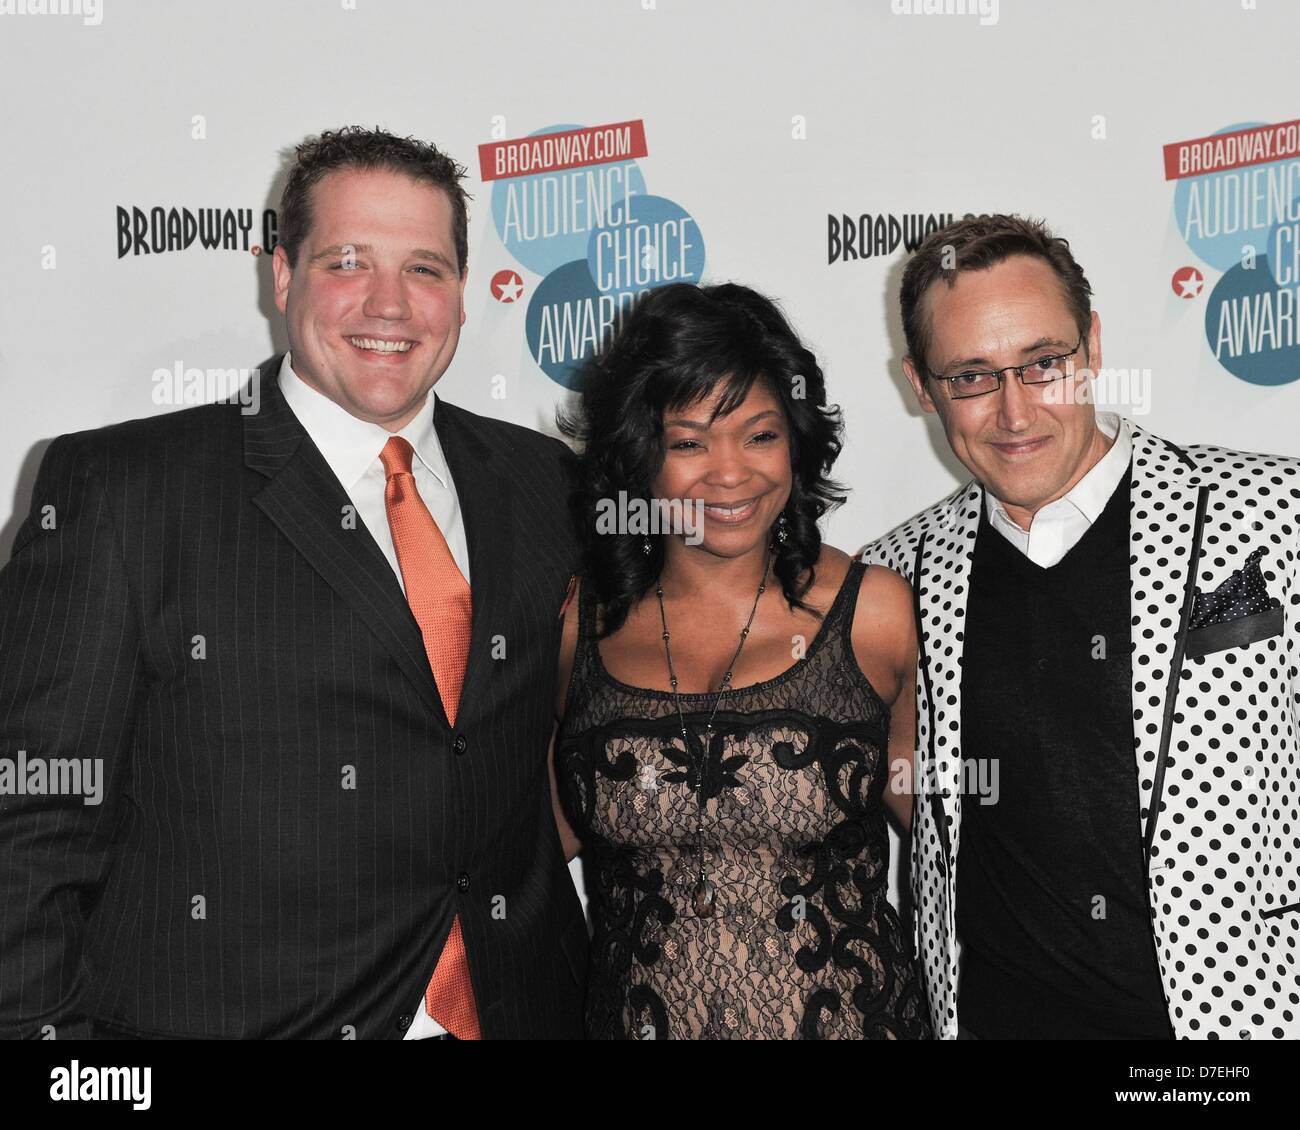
pixel 1216 647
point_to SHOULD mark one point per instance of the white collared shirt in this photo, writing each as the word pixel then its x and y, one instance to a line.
pixel 351 447
pixel 1058 527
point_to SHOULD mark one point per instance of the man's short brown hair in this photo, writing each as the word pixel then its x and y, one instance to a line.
pixel 354 147
pixel 975 244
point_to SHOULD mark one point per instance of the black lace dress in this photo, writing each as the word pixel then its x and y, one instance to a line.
pixel 803 942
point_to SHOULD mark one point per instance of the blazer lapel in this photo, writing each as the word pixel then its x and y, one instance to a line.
pixel 1167 513
pixel 307 504
pixel 942 585
pixel 487 509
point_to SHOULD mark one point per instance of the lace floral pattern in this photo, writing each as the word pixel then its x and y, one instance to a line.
pixel 803 942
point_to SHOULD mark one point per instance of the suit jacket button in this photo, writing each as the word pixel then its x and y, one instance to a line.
pixel 460 744
pixel 404 1021
pixel 462 882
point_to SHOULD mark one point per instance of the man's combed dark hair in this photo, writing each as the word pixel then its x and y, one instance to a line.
pixel 675 346
pixel 975 244
pixel 354 147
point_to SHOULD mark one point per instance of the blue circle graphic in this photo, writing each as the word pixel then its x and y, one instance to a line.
pixel 1283 247
pixel 655 242
pixel 1251 326
pixel 566 321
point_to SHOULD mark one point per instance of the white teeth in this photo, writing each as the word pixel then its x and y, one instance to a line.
pixel 730 511
pixel 378 346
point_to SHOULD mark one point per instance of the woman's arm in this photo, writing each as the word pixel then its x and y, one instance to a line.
pixel 568 648
pixel 884 642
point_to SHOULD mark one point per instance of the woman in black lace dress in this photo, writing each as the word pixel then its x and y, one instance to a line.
pixel 735 696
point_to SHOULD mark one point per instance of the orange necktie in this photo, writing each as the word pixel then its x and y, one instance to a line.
pixel 440 601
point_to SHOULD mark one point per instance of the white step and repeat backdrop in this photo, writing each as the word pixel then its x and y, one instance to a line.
pixel 797 148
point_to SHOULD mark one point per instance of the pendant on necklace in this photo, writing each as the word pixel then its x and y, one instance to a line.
pixel 702 898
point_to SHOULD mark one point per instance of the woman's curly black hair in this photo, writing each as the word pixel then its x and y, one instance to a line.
pixel 673 348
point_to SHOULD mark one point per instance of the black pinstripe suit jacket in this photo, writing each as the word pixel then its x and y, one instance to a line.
pixel 288 822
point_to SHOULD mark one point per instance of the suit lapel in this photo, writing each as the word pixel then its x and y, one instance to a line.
pixel 486 506
pixel 1166 514
pixel 307 503
pixel 942 584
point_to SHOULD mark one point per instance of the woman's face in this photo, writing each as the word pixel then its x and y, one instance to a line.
pixel 737 469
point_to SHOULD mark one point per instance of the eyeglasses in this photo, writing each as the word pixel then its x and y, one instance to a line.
pixel 1040 371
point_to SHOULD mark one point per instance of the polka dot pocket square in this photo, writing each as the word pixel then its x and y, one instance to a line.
pixel 1237 613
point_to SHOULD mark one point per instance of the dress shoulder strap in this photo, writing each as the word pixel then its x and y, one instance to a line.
pixel 586 623
pixel 840 616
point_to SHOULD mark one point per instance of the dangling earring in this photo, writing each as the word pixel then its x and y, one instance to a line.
pixel 646 547
pixel 782 534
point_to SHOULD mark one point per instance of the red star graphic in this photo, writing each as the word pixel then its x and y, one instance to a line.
pixel 1187 282
pixel 507 286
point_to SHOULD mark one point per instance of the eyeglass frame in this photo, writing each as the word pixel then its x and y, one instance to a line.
pixel 1019 370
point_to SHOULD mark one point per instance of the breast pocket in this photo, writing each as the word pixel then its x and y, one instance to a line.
pixel 1241 632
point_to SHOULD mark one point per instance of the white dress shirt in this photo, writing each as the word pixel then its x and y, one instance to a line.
pixel 351 447
pixel 1058 527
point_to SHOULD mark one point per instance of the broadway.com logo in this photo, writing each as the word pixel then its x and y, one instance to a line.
pixel 871 235
pixel 157 230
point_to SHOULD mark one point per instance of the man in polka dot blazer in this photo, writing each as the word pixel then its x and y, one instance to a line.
pixel 1109 635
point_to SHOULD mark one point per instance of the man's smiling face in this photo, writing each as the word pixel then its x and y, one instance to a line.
pixel 1029 445
pixel 374 303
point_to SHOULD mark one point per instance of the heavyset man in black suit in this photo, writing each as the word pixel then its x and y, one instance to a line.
pixel 209 604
